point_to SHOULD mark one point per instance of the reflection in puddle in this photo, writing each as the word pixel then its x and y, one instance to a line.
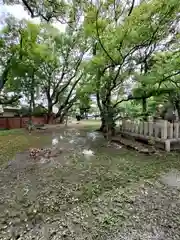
pixel 172 179
pixel 70 132
pixel 77 140
pixel 93 135
pixel 43 160
pixel 88 152
pixel 55 141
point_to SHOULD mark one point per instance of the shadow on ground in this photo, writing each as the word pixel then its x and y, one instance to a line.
pixel 93 190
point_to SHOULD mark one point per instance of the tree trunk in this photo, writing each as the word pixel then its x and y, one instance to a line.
pixel 61 120
pixel 177 104
pixel 144 108
pixel 32 101
pixel 49 114
pixel 103 125
pixel 107 124
pixel 30 109
pixel 32 92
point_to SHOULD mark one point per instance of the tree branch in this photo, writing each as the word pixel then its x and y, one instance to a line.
pixel 158 92
pixel 131 8
pixel 69 81
pixel 99 39
pixel 66 102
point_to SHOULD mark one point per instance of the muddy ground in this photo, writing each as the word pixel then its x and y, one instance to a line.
pixel 93 190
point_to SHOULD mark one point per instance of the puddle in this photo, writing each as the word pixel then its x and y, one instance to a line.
pixel 88 153
pixel 77 140
pixel 55 141
pixel 172 179
pixel 43 160
pixel 94 135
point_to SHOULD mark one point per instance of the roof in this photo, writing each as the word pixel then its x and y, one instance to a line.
pixel 8 108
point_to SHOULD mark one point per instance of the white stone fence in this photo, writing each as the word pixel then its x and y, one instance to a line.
pixel 161 130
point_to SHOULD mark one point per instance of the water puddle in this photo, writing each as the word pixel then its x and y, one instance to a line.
pixel 171 178
pixel 94 135
pixel 72 141
pixel 88 153
pixel 55 141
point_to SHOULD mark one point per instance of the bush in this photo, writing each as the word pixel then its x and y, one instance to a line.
pixel 38 111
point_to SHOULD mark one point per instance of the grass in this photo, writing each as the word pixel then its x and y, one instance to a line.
pixel 17 140
pixel 11 132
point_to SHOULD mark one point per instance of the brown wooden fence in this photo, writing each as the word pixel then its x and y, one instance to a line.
pixel 20 122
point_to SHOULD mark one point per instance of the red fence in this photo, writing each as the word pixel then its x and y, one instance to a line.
pixel 20 122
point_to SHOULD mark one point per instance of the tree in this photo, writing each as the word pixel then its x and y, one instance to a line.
pixel 124 41
pixel 62 67
pixel 9 52
pixel 23 78
pixel 119 37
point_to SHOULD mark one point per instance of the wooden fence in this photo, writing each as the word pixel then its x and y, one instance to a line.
pixel 20 122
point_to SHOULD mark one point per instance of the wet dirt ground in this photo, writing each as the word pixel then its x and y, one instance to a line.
pixel 93 190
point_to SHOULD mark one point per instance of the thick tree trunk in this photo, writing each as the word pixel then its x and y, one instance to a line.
pixel 48 118
pixel 103 125
pixel 144 105
pixel 144 108
pixel 30 109
pixel 177 104
pixel 61 119
pixel 32 92
pixel 32 101
pixel 49 114
pixel 107 124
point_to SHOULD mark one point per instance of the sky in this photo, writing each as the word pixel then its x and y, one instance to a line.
pixel 18 12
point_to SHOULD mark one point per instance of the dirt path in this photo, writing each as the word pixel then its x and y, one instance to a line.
pixel 91 191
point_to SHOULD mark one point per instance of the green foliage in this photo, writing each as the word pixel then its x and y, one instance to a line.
pixel 107 49
pixel 38 111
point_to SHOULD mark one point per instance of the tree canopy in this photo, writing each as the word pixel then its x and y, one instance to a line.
pixel 119 51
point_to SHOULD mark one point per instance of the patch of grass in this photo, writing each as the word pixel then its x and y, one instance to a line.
pixel 10 132
pixel 89 124
pixel 18 140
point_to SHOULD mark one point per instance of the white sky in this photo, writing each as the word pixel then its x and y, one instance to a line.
pixel 18 12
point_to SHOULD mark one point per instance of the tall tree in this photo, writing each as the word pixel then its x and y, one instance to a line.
pixel 119 37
